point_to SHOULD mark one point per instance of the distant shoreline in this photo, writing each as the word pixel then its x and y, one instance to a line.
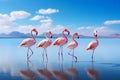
pixel 57 37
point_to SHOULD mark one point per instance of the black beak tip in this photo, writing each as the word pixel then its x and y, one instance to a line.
pixel 51 37
pixel 68 33
pixel 36 33
pixel 96 35
pixel 78 37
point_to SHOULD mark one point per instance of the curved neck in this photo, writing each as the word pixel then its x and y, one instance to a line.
pixel 95 38
pixel 64 36
pixel 32 35
pixel 73 38
pixel 47 36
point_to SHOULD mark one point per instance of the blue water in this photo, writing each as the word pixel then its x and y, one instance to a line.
pixel 106 64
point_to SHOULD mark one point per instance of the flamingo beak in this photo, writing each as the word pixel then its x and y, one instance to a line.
pixel 96 35
pixel 78 37
pixel 50 36
pixel 68 32
pixel 36 33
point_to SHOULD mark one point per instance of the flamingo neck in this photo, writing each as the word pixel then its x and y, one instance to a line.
pixel 64 36
pixel 32 35
pixel 96 38
pixel 47 36
pixel 73 38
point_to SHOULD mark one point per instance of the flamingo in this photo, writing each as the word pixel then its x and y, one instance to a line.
pixel 93 44
pixel 61 41
pixel 45 43
pixel 73 45
pixel 29 42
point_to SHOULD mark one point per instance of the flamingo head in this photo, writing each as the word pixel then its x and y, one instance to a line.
pixel 66 31
pixel 49 32
pixel 95 33
pixel 35 31
pixel 77 35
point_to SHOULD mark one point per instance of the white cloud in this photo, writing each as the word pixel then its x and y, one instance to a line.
pixel 47 20
pixel 90 27
pixel 58 28
pixel 102 30
pixel 37 17
pixel 80 28
pixel 109 22
pixel 48 11
pixel 19 15
pixel 7 23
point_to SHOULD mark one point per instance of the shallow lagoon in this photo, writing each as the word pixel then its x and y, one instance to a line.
pixel 106 65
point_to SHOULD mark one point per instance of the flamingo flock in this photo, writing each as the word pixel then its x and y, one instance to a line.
pixel 60 42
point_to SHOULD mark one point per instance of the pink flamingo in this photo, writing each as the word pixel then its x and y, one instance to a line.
pixel 29 42
pixel 61 41
pixel 73 45
pixel 93 44
pixel 45 43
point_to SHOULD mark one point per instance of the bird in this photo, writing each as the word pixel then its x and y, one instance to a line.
pixel 93 44
pixel 28 42
pixel 72 45
pixel 61 41
pixel 45 43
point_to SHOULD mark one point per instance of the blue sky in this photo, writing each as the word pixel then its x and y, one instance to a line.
pixel 82 16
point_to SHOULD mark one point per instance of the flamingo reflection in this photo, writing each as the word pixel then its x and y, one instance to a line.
pixel 28 74
pixel 60 75
pixel 61 42
pixel 92 73
pixel 44 73
pixel 45 43
pixel 73 72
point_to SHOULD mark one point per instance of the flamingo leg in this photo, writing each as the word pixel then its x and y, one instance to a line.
pixel 31 53
pixel 62 52
pixel 69 53
pixel 28 54
pixel 74 56
pixel 29 64
pixel 46 54
pixel 43 54
pixel 59 53
pixel 92 55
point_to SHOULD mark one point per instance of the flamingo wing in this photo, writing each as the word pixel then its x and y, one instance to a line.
pixel 59 41
pixel 92 45
pixel 71 45
pixel 42 43
pixel 28 42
